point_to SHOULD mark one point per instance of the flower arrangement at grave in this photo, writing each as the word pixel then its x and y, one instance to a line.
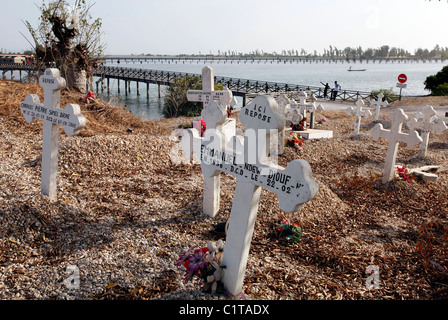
pixel 402 173
pixel 300 126
pixel 295 140
pixel 89 98
pixel 191 124
pixel 205 264
pixel 290 231
pixel 322 120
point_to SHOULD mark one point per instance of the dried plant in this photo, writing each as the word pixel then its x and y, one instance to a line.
pixel 67 37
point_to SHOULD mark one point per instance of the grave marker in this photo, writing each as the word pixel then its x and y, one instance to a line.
pixel 208 94
pixel 428 123
pixel 294 185
pixel 379 103
pixel 394 135
pixel 358 112
pixel 53 116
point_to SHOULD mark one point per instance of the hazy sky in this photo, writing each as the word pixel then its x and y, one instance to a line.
pixel 206 26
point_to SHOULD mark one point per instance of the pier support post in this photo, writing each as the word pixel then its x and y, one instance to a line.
pixel 158 89
pixel 118 81
pixel 147 90
pixel 138 88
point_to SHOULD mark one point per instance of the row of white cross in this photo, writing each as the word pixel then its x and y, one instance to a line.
pixel 247 158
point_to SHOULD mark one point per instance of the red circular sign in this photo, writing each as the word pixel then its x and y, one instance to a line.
pixel 402 78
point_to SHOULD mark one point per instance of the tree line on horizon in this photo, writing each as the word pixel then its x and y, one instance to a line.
pixel 384 51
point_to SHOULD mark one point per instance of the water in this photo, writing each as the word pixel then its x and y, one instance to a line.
pixel 377 76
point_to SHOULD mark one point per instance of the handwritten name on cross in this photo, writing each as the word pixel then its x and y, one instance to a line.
pixel 53 116
pixel 358 112
pixel 208 92
pixel 394 135
pixel 379 103
pixel 428 123
pixel 294 185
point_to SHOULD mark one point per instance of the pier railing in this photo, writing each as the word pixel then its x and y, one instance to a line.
pixel 238 86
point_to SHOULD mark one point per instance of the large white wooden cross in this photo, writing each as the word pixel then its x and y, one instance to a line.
pixel 70 118
pixel 358 112
pixel 294 185
pixel 394 135
pixel 428 123
pixel 379 103
pixel 189 142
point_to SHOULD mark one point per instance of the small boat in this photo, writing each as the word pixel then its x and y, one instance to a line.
pixel 350 69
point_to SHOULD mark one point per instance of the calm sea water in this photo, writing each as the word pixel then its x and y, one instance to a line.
pixel 377 76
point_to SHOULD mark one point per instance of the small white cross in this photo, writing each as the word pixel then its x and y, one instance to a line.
pixel 208 92
pixel 53 116
pixel 379 103
pixel 429 122
pixel 394 135
pixel 358 112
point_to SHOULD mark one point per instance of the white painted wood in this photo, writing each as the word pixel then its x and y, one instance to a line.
pixel 70 118
pixel 394 136
pixel 428 123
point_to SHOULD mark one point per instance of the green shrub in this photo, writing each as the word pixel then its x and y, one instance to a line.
pixel 441 90
pixel 389 94
pixel 176 103
pixel 433 82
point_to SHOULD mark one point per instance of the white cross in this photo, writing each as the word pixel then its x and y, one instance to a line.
pixel 294 185
pixel 429 122
pixel 208 92
pixel 379 103
pixel 358 112
pixel 283 103
pixel 394 135
pixel 303 107
pixel 53 116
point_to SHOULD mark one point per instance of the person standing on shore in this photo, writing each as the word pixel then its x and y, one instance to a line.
pixel 334 92
pixel 325 89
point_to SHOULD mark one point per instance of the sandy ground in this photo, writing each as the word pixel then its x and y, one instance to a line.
pixel 125 213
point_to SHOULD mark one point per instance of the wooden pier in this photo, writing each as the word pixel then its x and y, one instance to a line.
pixel 244 88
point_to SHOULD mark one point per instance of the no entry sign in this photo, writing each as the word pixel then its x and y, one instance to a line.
pixel 402 78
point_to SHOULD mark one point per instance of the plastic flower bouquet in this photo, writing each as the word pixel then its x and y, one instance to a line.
pixel 290 231
pixel 205 264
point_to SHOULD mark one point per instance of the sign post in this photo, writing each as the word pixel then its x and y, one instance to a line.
pixel 402 78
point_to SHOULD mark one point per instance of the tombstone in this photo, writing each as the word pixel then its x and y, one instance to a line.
pixel 208 92
pixel 394 135
pixel 190 142
pixel 283 103
pixel 379 103
pixel 358 112
pixel 428 123
pixel 248 162
pixel 297 111
pixel 70 118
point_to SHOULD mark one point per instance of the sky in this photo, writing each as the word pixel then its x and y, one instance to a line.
pixel 174 27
